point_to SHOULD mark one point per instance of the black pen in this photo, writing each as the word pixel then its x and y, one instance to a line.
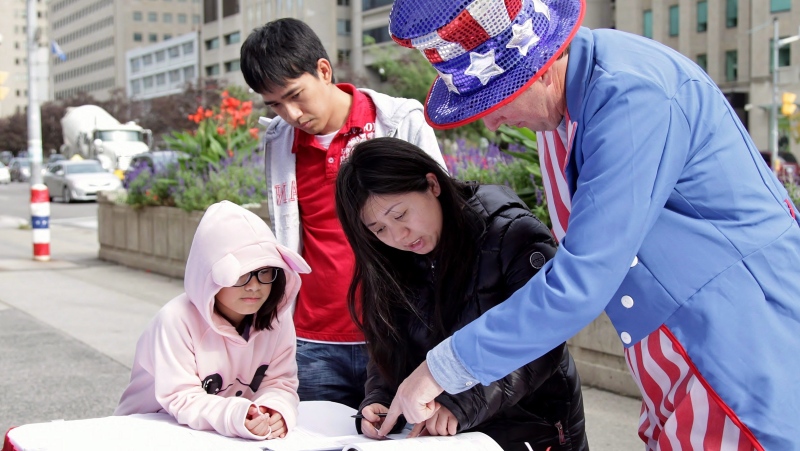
pixel 361 417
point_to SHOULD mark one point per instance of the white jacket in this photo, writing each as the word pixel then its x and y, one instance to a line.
pixel 395 117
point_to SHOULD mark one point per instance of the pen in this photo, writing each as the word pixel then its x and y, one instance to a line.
pixel 359 416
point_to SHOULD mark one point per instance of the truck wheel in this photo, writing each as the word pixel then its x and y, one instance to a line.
pixel 66 196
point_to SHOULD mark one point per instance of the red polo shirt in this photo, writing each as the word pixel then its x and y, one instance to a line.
pixel 321 313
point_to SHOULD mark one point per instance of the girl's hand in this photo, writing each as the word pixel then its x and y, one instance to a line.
pixel 371 422
pixel 443 422
pixel 263 421
pixel 277 424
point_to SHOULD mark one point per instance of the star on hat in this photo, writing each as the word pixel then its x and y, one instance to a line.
pixel 540 7
pixel 448 81
pixel 524 37
pixel 483 66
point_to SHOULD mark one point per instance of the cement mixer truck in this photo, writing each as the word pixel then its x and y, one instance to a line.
pixel 92 133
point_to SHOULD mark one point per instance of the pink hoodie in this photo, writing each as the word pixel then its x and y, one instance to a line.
pixel 191 362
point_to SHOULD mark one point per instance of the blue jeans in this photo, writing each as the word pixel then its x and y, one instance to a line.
pixel 331 372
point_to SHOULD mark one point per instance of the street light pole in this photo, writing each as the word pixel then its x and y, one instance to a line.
pixel 777 43
pixel 40 201
pixel 774 114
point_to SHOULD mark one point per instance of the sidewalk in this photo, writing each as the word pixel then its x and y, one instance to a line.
pixel 68 331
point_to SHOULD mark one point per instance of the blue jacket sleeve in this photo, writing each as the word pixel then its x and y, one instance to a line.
pixel 633 144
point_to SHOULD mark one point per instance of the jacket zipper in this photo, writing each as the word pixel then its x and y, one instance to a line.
pixel 561 439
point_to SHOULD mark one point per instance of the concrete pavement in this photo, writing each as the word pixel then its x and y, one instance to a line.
pixel 68 330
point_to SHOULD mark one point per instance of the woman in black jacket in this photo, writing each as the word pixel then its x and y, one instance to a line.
pixel 432 254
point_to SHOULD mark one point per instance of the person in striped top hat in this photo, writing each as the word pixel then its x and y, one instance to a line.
pixel 667 216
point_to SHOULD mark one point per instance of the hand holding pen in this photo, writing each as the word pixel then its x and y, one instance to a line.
pixel 371 420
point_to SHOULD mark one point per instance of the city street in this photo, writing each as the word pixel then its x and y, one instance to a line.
pixel 68 327
pixel 15 202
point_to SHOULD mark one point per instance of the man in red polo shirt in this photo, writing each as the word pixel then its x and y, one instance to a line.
pixel 319 123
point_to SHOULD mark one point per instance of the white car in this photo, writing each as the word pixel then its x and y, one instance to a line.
pixel 79 180
pixel 5 174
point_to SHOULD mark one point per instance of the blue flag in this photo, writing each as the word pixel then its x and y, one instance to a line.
pixel 56 50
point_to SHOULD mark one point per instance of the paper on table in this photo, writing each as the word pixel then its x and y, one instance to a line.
pixel 469 441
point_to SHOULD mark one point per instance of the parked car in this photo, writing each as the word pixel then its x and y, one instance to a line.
pixel 55 157
pixel 5 174
pixel 79 180
pixel 6 156
pixel 159 162
pixel 789 168
pixel 20 169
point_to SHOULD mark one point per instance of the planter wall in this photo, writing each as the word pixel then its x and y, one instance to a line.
pixel 157 239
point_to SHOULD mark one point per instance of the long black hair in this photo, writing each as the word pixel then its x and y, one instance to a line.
pixel 380 293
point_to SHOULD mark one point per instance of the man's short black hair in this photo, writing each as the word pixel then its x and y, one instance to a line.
pixel 280 51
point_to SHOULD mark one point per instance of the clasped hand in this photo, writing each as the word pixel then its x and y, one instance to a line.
pixel 263 421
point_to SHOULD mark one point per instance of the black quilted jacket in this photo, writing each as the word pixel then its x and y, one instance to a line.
pixel 540 403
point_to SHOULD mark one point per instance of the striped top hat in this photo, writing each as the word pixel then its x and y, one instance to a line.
pixel 486 51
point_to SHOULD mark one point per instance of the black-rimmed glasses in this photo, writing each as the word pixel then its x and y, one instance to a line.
pixel 265 276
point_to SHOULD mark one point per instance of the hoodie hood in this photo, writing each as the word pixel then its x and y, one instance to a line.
pixel 230 241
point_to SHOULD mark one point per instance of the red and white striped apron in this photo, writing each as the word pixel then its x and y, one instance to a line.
pixel 679 411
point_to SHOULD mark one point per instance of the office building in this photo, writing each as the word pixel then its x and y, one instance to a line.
pixel 14 54
pixel 164 68
pixel 96 34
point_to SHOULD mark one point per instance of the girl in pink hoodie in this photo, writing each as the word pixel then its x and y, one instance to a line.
pixel 221 355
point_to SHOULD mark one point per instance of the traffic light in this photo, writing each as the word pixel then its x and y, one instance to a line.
pixel 3 89
pixel 789 107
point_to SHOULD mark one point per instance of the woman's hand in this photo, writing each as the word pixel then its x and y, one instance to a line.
pixel 371 421
pixel 263 421
pixel 443 422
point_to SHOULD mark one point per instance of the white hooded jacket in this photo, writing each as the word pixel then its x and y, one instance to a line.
pixel 191 363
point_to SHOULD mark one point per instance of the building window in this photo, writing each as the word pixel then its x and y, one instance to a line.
pixel 702 16
pixel 343 56
pixel 210 12
pixel 196 19
pixel 784 55
pixel 174 52
pixel 702 61
pixel 137 16
pixel 152 17
pixel 152 37
pixel 147 82
pixel 181 18
pixel 135 65
pixel 776 6
pixel 212 70
pixel 233 38
pixel 732 13
pixel 161 79
pixel 212 44
pixel 647 29
pixel 167 37
pixel 674 20
pixel 343 2
pixel 188 73
pixel 230 7
pixel 167 17
pixel 147 59
pixel 731 65
pixel 378 34
pixel 343 27
pixel 371 4
pixel 174 76
pixel 137 37
pixel 161 56
pixel 232 66
pixel 188 48
pixel 136 87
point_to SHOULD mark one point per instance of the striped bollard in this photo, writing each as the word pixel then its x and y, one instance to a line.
pixel 40 221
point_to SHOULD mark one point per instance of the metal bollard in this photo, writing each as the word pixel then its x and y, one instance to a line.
pixel 40 222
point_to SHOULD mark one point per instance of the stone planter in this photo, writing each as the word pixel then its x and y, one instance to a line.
pixel 155 239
